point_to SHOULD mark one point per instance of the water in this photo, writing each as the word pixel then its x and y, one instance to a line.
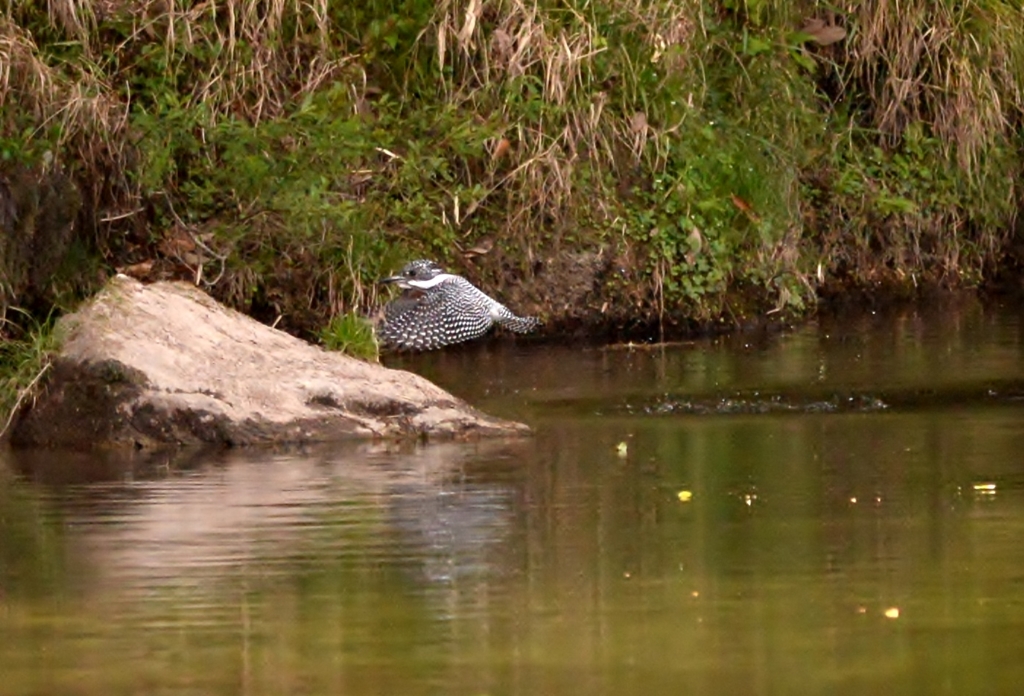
pixel 837 509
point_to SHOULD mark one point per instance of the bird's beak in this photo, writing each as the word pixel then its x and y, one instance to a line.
pixel 389 279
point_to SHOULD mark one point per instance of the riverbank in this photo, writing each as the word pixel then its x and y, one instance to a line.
pixel 619 167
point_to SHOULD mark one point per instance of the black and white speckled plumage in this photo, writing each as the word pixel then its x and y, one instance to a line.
pixel 438 309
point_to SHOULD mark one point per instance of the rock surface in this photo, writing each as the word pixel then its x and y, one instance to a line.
pixel 145 365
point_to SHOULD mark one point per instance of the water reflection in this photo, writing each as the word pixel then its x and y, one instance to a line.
pixel 844 550
pixel 164 520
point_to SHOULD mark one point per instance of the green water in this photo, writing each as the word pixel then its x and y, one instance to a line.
pixel 853 525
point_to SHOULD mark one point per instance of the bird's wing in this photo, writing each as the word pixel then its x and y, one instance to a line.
pixel 433 320
pixel 519 324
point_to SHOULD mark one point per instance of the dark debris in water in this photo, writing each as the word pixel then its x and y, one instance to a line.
pixel 809 400
pixel 759 403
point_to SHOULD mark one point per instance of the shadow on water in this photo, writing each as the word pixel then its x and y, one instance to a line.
pixel 835 509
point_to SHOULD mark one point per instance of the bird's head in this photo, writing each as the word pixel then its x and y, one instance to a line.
pixel 417 275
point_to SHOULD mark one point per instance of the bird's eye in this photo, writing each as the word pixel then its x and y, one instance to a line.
pixel 410 273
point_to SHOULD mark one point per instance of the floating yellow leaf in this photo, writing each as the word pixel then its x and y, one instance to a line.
pixel 622 449
pixel 685 496
pixel 892 613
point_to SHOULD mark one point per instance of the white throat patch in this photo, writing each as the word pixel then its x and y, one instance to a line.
pixel 427 284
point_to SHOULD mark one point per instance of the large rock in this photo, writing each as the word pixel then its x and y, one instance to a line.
pixel 153 364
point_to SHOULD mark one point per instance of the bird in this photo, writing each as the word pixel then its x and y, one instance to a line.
pixel 438 309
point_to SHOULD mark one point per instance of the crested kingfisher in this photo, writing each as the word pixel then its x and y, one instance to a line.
pixel 438 309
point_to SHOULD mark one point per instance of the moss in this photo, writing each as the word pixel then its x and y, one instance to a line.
pixel 112 372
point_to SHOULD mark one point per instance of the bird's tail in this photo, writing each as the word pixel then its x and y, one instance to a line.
pixel 519 324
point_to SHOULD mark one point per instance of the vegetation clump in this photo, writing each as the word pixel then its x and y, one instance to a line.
pixel 24 361
pixel 352 334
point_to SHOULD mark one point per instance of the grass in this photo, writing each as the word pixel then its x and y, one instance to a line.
pixel 24 363
pixel 351 334
pixel 726 157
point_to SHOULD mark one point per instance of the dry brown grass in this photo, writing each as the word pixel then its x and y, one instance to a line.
pixel 958 67
pixel 261 55
pixel 79 100
pixel 505 49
